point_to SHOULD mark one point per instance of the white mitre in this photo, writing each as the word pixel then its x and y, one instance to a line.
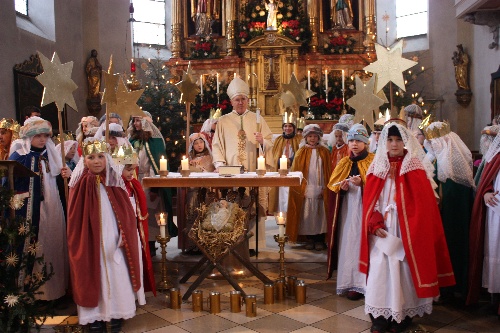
pixel 237 87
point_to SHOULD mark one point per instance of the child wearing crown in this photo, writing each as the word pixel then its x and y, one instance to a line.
pixel 44 206
pixel 104 246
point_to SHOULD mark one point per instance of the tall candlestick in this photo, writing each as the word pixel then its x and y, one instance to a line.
pixel 283 162
pixel 163 163
pixel 343 80
pixel 261 163
pixel 326 79
pixel 217 82
pixel 201 84
pixel 308 80
pixel 184 163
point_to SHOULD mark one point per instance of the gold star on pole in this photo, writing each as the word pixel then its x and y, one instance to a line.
pixel 390 66
pixel 298 90
pixel 365 101
pixel 188 87
pixel 126 102
pixel 110 83
pixel 57 82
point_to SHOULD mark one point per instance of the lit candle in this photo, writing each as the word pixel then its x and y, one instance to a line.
pixel 234 76
pixel 261 163
pixel 162 226
pixel 326 79
pixel 132 65
pixel 201 84
pixel 184 163
pixel 217 82
pixel 387 115
pixel 163 163
pixel 283 162
pixel 343 80
pixel 308 80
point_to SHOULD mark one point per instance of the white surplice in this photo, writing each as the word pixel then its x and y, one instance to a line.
pixel 491 263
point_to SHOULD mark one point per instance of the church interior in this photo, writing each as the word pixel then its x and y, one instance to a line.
pixel 154 44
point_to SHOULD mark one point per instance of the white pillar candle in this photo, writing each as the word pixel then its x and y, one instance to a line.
pixel 326 79
pixel 283 162
pixel 184 163
pixel 343 80
pixel 261 163
pixel 281 231
pixel 201 84
pixel 162 226
pixel 163 163
pixel 280 220
pixel 217 82
pixel 309 80
pixel 387 115
pixel 258 116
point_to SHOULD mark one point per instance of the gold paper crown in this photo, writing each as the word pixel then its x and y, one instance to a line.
pixel 94 147
pixel 215 114
pixel 426 122
pixel 125 155
pixel 437 132
pixel 67 137
pixel 10 124
pixel 289 118
pixel 301 123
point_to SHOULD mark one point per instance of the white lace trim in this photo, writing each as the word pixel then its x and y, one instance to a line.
pixel 341 291
pixel 493 150
pixel 398 316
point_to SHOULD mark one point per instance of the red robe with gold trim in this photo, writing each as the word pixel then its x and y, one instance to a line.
pixel 421 231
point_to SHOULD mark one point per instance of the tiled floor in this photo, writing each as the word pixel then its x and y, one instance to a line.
pixel 323 312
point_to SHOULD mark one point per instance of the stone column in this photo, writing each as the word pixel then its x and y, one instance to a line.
pixel 312 10
pixel 230 11
pixel 370 25
pixel 176 28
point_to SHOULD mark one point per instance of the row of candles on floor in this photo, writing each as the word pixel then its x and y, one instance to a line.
pixel 272 291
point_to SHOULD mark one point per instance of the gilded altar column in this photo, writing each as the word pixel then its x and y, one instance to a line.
pixel 230 12
pixel 176 28
pixel 312 10
pixel 370 25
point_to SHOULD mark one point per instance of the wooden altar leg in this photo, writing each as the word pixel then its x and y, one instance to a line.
pixel 193 270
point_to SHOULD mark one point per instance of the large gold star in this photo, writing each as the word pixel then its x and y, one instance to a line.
pixel 126 102
pixel 188 87
pixel 298 90
pixel 57 82
pixel 390 66
pixel 365 101
pixel 110 83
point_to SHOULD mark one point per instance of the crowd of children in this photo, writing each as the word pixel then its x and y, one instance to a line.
pixel 400 221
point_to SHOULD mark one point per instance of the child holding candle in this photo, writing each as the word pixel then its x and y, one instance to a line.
pixel 307 204
pixel 347 182
pixel 103 242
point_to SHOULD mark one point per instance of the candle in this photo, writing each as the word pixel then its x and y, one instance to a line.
pixel 201 84
pixel 387 115
pixel 217 82
pixel 261 163
pixel 308 80
pixel 258 116
pixel 234 76
pixel 184 163
pixel 283 162
pixel 132 65
pixel 163 163
pixel 326 79
pixel 280 220
pixel 343 80
pixel 162 226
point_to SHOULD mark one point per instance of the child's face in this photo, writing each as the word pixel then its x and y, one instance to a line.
pixel 5 137
pixel 71 152
pixel 377 136
pixel 137 123
pixel 288 129
pixel 312 139
pixel 114 120
pixel 199 145
pixel 356 146
pixel 112 142
pixel 395 146
pixel 128 172
pixel 39 140
pixel 96 163
pixel 339 138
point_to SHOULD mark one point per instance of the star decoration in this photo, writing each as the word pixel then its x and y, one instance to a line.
pixel 11 259
pixel 57 82
pixel 17 201
pixel 38 276
pixel 390 66
pixel 188 88
pixel 365 101
pixel 110 83
pixel 126 102
pixel 288 99
pixel 298 90
pixel 23 229
pixel 11 300
pixel 33 248
pixel 385 17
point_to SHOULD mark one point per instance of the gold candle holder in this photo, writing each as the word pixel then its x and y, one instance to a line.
pixel 260 172
pixel 283 172
pixel 163 173
pixel 185 173
pixel 164 284
pixel 281 242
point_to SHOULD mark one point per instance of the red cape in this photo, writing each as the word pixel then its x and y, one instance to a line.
pixel 84 237
pixel 477 228
pixel 134 186
pixel 421 230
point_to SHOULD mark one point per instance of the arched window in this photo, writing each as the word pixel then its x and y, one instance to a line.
pixel 411 18
pixel 149 25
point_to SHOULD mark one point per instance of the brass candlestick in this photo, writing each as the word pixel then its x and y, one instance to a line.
pixel 281 242
pixel 164 284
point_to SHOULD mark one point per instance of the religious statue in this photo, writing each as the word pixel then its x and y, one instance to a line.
pixel 272 9
pixel 461 63
pixel 342 14
pixel 203 12
pixel 93 70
